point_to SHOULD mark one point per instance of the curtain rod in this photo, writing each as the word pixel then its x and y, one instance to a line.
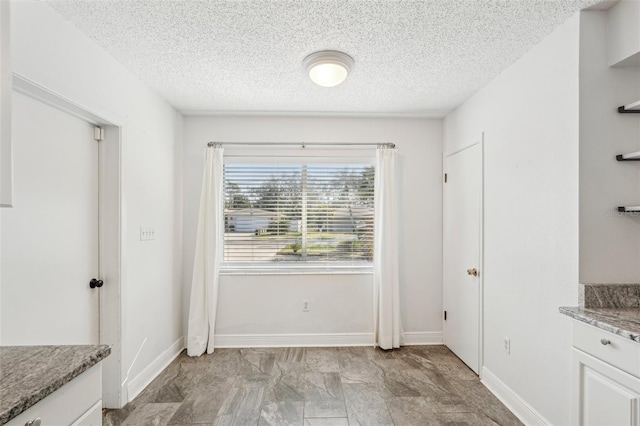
pixel 306 144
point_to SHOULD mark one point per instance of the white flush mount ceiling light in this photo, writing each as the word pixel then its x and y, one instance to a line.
pixel 328 68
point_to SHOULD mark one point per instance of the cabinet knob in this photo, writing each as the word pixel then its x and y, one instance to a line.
pixel 605 341
pixel 34 422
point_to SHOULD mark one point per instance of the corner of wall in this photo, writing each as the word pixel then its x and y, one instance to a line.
pixel 531 162
pixel 518 406
pixel 153 369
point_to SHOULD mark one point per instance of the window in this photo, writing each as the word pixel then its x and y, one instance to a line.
pixel 285 214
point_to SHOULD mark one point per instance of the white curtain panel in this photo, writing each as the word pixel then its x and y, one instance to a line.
pixel 388 328
pixel 208 256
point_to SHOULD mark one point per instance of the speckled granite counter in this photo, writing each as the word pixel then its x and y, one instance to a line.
pixel 609 295
pixel 624 322
pixel 610 307
pixel 28 374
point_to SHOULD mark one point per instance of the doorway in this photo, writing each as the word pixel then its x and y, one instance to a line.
pixel 36 105
pixel 462 254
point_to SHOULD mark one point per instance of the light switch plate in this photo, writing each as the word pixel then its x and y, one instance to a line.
pixel 147 233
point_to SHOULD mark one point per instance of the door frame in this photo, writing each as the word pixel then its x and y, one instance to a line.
pixel 480 247
pixel 109 228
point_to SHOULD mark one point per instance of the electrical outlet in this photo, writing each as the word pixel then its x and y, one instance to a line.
pixel 506 345
pixel 305 306
pixel 147 233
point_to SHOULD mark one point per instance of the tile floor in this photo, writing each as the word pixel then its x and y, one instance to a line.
pixel 413 385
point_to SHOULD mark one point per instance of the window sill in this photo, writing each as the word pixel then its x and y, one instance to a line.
pixel 299 270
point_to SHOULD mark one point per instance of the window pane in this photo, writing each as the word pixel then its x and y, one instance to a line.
pixel 298 213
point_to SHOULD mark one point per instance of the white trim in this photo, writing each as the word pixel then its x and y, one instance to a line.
pixel 481 263
pixel 432 114
pixel 292 340
pixel 411 338
pixel 525 412
pixel 111 265
pixel 152 370
pixel 40 93
pixel 294 271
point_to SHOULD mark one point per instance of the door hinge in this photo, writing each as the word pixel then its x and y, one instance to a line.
pixel 445 315
pixel 98 133
pixel 445 178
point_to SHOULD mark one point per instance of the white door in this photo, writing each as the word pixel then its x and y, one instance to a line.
pixel 462 242
pixel 49 244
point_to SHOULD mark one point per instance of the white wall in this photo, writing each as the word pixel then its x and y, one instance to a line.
pixel 529 114
pixel 272 304
pixel 51 52
pixel 609 242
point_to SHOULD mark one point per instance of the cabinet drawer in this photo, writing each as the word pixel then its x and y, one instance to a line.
pixel 619 352
pixel 68 404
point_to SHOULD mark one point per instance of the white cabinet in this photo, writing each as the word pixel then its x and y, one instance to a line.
pixel 77 403
pixel 605 378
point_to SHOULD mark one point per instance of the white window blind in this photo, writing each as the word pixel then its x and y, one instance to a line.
pixel 298 213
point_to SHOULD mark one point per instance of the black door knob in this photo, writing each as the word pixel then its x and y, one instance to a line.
pixel 95 283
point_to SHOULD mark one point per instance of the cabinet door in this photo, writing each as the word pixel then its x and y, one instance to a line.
pixel 602 394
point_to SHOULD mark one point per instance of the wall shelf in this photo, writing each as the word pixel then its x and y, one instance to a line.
pixel 633 156
pixel 631 108
pixel 629 209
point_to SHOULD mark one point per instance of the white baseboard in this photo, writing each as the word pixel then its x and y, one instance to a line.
pixel 411 338
pixel 318 339
pixel 151 371
pixel 292 340
pixel 512 400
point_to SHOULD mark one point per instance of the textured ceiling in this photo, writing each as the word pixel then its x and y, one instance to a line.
pixel 411 57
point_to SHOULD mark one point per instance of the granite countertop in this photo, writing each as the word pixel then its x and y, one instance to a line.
pixel 610 307
pixel 624 322
pixel 28 374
